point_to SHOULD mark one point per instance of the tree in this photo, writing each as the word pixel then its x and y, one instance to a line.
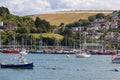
pixel 100 15
pixel 61 24
pixel 83 22
pixel 4 10
pixel 91 18
pixel 33 30
pixel 43 25
pixel 22 30
pixel 37 22
pixel 67 32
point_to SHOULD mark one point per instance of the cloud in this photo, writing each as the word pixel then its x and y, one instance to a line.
pixel 26 7
pixel 22 7
pixel 86 4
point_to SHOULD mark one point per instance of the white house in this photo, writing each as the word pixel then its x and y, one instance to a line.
pixel 1 23
pixel 114 24
pixel 11 25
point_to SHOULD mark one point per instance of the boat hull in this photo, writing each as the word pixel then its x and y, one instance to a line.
pixel 25 53
pixel 82 55
pixel 104 53
pixel 36 52
pixel 19 66
pixel 11 51
pixel 116 61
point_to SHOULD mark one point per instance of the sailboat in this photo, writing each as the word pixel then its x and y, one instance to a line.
pixel 40 51
pixel 11 50
pixel 23 50
pixel 82 53
pixel 103 51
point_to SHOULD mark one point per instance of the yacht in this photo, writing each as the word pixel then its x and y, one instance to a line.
pixel 82 54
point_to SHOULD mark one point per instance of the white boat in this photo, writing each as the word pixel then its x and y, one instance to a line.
pixel 82 54
pixel 116 59
pixel 23 51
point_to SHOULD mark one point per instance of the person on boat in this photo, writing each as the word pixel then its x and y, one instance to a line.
pixel 21 58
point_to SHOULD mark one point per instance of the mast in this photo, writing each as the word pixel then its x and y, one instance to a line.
pixel 31 42
pixel 1 31
pixel 0 41
pixel 84 47
pixel 40 42
pixel 14 41
pixel 79 39
pixel 22 43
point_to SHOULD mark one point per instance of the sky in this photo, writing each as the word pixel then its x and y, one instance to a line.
pixel 29 7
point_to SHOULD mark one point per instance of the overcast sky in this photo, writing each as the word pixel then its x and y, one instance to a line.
pixel 28 7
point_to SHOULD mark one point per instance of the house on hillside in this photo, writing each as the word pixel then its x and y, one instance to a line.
pixel 101 24
pixel 55 31
pixel 94 36
pixel 116 37
pixel 75 29
pixel 109 35
pixel 11 25
pixel 1 23
pixel 114 24
pixel 115 18
pixel 114 15
pixel 99 20
pixel 93 46
pixel 90 28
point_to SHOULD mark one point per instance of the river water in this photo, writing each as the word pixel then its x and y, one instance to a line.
pixel 58 67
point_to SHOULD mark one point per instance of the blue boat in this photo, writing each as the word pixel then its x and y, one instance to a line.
pixel 36 52
pixel 19 66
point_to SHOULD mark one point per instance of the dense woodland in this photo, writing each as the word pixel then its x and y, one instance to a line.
pixel 27 28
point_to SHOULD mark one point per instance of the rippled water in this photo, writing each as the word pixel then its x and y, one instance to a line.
pixel 58 67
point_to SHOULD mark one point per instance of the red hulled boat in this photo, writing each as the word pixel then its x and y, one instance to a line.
pixel 105 53
pixel 11 51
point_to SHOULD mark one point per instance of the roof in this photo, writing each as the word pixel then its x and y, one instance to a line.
pixel 92 44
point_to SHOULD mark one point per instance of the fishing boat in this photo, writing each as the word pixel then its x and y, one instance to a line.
pixel 22 64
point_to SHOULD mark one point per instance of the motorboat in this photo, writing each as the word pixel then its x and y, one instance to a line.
pixel 20 64
pixel 116 59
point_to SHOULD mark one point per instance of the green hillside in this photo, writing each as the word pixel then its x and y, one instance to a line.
pixel 49 35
